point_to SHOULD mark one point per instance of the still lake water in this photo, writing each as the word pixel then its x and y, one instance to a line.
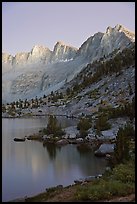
pixel 28 168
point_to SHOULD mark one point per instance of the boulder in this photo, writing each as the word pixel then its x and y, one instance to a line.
pixel 104 149
pixel 108 156
pixel 71 132
pixel 87 179
pixel 90 137
pixel 90 178
pixel 79 140
pixel 79 181
pixel 45 137
pixel 62 142
pixel 109 134
pixel 108 169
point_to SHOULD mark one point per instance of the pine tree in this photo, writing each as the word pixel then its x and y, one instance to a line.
pixel 83 126
pixel 68 91
pixel 130 89
pixel 102 123
pixel 53 127
pixel 121 150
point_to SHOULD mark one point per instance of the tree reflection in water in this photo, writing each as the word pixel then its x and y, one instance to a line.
pixel 51 149
pixel 84 149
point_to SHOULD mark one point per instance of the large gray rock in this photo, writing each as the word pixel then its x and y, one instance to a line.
pixel 62 142
pixel 109 134
pixel 45 137
pixel 71 132
pixel 79 140
pixel 104 149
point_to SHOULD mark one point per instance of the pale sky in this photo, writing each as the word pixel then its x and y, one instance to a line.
pixel 25 24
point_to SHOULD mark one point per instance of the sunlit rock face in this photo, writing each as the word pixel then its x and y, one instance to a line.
pixel 39 53
pixel 63 52
pixel 41 70
pixel 6 58
pixel 6 62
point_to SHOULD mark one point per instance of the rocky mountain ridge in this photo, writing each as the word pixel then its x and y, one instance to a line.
pixel 41 54
pixel 41 70
pixel 102 44
pixel 112 39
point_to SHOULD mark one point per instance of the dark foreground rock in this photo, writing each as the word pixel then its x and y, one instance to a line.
pixel 19 139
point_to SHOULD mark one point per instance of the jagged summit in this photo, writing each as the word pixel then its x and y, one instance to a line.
pixel 109 29
pixel 62 51
pixel 126 31
pixel 62 43
pixel 102 44
pixel 37 48
pixel 120 28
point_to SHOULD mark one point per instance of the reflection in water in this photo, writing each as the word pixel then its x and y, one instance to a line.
pixel 28 168
pixel 83 149
pixel 52 149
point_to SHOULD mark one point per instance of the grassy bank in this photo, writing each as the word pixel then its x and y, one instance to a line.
pixel 118 182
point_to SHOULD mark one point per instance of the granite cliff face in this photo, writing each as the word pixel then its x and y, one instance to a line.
pixel 6 62
pixel 39 54
pixel 63 52
pixel 41 70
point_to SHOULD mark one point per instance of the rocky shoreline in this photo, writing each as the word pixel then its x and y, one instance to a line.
pixel 101 147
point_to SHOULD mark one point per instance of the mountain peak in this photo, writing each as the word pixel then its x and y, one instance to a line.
pixel 38 48
pixel 63 44
pixel 62 51
pixel 119 27
pixel 128 33
pixel 109 29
